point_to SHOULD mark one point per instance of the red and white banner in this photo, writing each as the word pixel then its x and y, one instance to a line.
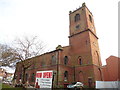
pixel 44 79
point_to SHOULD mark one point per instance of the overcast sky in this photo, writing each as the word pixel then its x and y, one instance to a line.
pixel 49 19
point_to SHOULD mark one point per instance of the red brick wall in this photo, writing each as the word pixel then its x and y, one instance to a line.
pixel 80 45
pixel 110 71
pixel 87 72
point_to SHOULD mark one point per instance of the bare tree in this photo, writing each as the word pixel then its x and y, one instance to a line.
pixel 22 49
pixel 8 56
pixel 27 48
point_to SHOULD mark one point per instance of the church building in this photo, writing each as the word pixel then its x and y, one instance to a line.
pixel 78 62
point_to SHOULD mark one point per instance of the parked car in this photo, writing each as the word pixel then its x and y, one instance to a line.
pixel 75 85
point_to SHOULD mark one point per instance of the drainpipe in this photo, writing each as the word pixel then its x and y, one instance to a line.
pixel 74 73
pixel 101 75
pixel 58 68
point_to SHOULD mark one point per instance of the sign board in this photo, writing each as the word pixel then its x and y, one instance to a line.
pixel 44 79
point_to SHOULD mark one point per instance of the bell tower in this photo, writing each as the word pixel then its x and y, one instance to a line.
pixel 81 20
pixel 83 33
pixel 83 43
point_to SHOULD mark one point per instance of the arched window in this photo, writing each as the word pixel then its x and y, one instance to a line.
pixel 26 77
pixel 90 18
pixel 32 77
pixel 53 60
pixel 65 60
pixel 65 75
pixel 77 17
pixel 42 63
pixel 80 60
pixel 81 77
pixel 20 76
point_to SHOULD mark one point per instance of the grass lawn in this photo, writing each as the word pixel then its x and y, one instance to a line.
pixel 8 87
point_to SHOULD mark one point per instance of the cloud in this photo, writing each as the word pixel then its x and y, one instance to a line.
pixel 4 3
pixel 7 7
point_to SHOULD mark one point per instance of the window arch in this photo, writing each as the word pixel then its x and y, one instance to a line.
pixel 53 60
pixel 77 17
pixel 65 75
pixel 66 60
pixel 90 18
pixel 80 60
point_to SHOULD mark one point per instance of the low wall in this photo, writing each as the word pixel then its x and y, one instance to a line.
pixel 107 84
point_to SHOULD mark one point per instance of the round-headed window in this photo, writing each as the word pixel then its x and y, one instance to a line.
pixel 90 18
pixel 77 17
pixel 66 60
